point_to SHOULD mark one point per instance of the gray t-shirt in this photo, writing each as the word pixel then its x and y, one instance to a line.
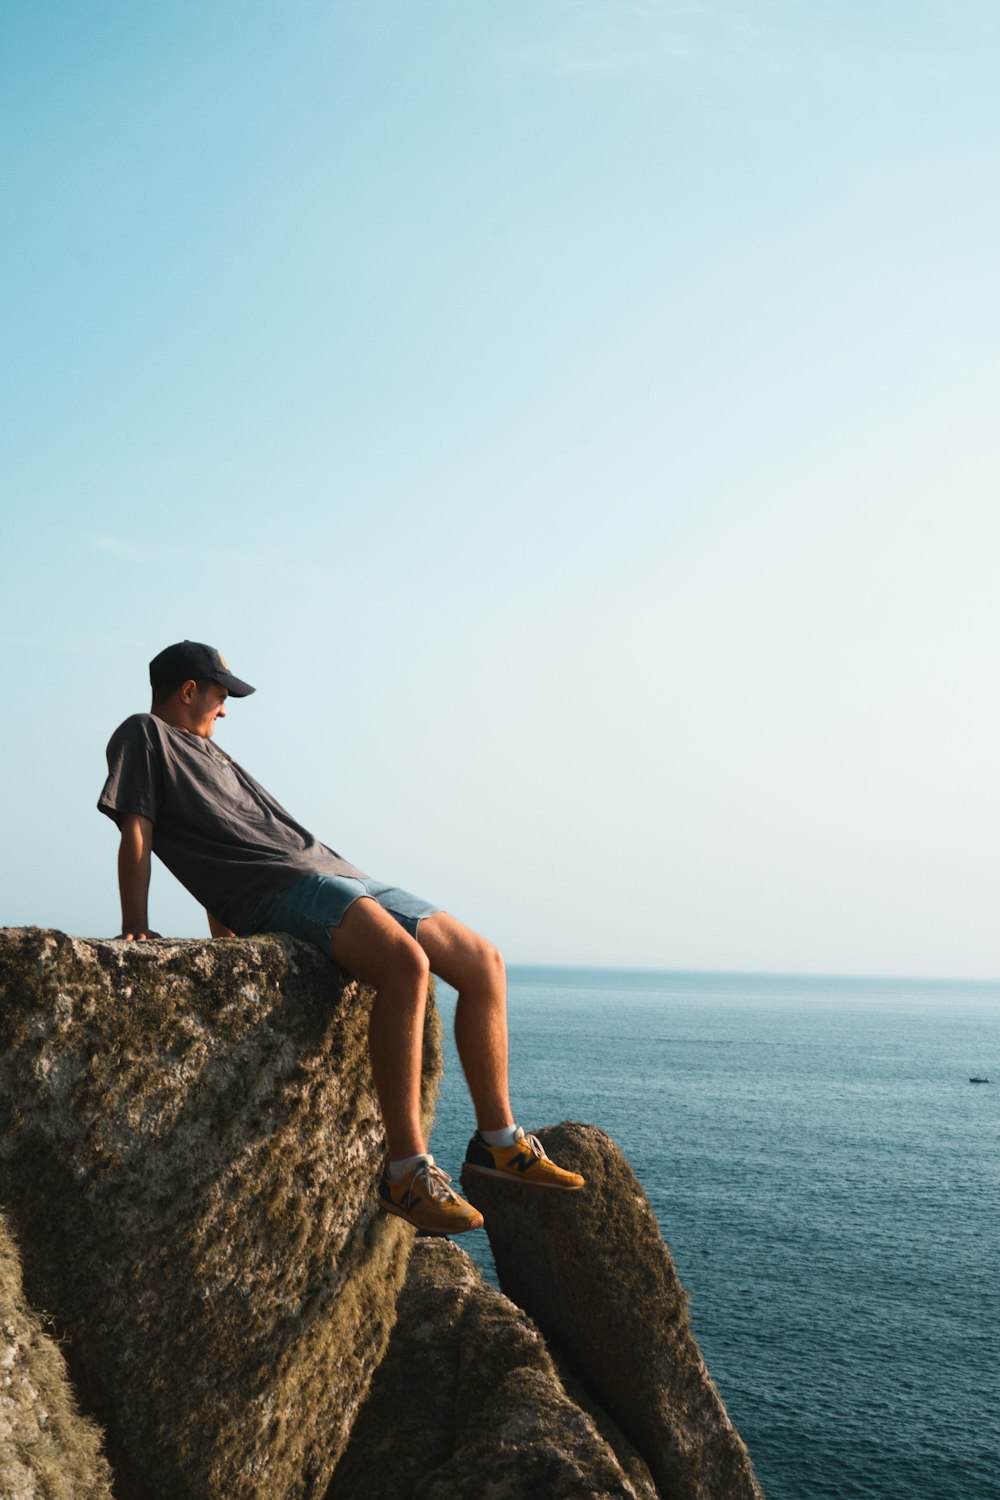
pixel 224 837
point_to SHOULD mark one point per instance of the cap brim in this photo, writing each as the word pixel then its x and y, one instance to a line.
pixel 237 688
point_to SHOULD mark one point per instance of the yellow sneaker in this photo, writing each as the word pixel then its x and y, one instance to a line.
pixel 525 1162
pixel 425 1199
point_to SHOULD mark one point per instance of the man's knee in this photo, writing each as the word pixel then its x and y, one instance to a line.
pixel 460 956
pixel 396 958
pixel 372 945
pixel 412 960
pixel 493 962
pixel 484 962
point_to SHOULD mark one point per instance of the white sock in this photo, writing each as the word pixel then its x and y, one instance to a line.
pixel 407 1164
pixel 504 1137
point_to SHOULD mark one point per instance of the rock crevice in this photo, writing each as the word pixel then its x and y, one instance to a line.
pixel 468 1403
pixel 48 1451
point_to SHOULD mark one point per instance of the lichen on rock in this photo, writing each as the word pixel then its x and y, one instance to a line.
pixel 189 1149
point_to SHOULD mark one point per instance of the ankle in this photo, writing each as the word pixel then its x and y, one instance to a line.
pixel 407 1165
pixel 504 1136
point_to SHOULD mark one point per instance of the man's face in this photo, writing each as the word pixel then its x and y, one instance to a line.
pixel 208 703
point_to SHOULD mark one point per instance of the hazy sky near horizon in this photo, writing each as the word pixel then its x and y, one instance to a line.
pixel 577 419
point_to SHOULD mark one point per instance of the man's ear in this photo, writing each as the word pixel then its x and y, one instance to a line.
pixel 188 690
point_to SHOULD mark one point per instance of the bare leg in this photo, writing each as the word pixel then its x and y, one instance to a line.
pixel 476 970
pixel 372 946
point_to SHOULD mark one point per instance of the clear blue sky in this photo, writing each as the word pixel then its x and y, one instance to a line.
pixel 579 420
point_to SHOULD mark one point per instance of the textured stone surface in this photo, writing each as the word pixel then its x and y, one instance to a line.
pixel 48 1451
pixel 189 1151
pixel 592 1270
pixel 467 1404
pixel 634 1466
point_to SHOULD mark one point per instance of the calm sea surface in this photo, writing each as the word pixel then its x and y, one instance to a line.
pixel 828 1181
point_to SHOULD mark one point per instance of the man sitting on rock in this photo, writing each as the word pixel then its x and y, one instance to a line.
pixel 255 869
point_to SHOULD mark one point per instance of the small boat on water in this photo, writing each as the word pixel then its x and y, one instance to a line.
pixel 979 1080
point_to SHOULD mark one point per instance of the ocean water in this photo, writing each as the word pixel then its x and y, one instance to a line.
pixel 828 1181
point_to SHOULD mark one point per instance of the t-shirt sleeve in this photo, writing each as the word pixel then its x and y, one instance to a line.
pixel 134 778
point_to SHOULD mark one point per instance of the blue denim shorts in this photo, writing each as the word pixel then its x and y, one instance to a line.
pixel 311 906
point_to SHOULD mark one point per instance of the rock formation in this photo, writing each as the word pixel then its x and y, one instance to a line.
pixel 189 1148
pixel 592 1269
pixel 468 1403
pixel 189 1152
pixel 47 1450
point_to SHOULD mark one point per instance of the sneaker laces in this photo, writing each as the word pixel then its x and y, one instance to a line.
pixel 532 1142
pixel 434 1182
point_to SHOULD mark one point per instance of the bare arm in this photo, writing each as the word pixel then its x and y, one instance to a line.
pixel 134 861
pixel 216 928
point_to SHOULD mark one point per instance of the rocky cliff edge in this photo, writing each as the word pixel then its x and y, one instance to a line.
pixel 189 1155
pixel 189 1150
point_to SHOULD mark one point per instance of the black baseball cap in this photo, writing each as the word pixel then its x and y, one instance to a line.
pixel 192 659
